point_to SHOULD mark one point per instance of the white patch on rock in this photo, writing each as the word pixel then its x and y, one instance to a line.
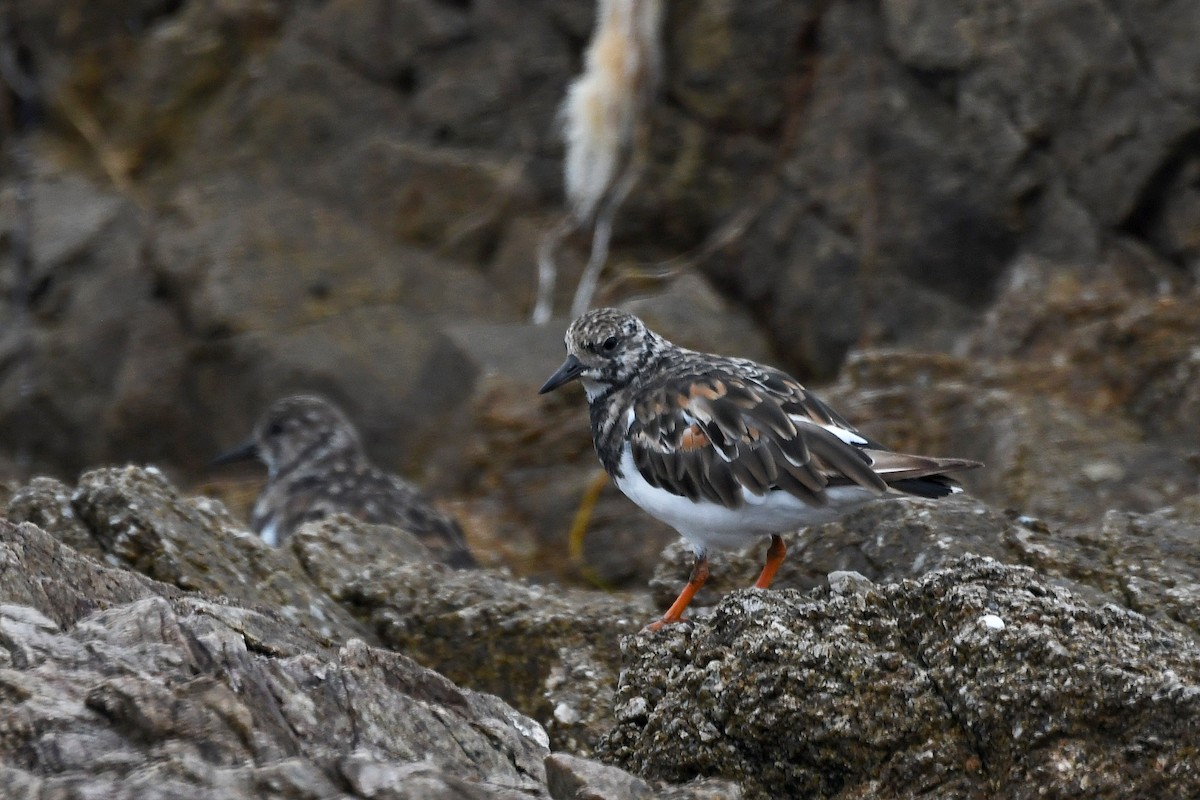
pixel 634 709
pixel 566 714
pixel 529 728
pixel 27 615
pixel 992 622
pixel 848 581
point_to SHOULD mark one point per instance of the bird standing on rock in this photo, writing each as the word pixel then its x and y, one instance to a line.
pixel 317 467
pixel 726 450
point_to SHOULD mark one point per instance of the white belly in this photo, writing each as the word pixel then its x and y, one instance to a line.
pixel 706 524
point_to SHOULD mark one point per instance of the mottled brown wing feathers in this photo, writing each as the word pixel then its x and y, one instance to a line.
pixel 713 437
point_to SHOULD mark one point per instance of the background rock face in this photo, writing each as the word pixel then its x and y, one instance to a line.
pixel 978 227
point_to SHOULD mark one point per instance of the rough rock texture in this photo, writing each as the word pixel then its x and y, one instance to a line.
pixel 118 685
pixel 1100 345
pixel 573 778
pixel 546 650
pixel 1150 562
pixel 141 691
pixel 337 550
pixel 47 503
pixel 884 542
pixel 974 681
pixel 134 518
pixel 244 674
pixel 925 145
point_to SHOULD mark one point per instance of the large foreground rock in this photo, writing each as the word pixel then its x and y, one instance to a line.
pixel 133 517
pixel 975 681
pixel 118 686
pixel 151 647
pixel 549 651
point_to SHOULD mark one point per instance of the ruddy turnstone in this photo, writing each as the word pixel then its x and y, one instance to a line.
pixel 726 450
pixel 316 467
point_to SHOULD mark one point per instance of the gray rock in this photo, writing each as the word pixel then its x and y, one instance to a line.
pixel 1144 562
pixel 976 679
pixel 1149 562
pixel 75 353
pixel 337 550
pixel 571 778
pixel 548 651
pixel 849 582
pixel 59 582
pixel 906 180
pixel 47 503
pixel 1099 344
pixel 132 517
pixel 1055 457
pixel 120 686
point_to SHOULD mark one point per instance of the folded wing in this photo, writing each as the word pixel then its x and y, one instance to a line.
pixel 720 436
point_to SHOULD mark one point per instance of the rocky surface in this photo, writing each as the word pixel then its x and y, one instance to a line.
pixel 1046 456
pixel 975 680
pixel 979 224
pixel 133 517
pixel 883 542
pixel 547 651
pixel 119 686
pixel 151 647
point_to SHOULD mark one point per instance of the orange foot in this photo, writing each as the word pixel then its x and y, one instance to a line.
pixel 675 612
pixel 659 624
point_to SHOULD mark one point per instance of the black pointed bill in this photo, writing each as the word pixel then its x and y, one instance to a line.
pixel 243 452
pixel 571 369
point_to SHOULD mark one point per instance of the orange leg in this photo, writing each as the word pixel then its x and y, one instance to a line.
pixel 675 612
pixel 775 554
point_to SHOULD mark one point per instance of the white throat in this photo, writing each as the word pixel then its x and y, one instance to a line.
pixel 592 388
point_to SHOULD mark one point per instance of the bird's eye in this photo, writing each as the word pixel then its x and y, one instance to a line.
pixel 275 428
pixel 610 344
